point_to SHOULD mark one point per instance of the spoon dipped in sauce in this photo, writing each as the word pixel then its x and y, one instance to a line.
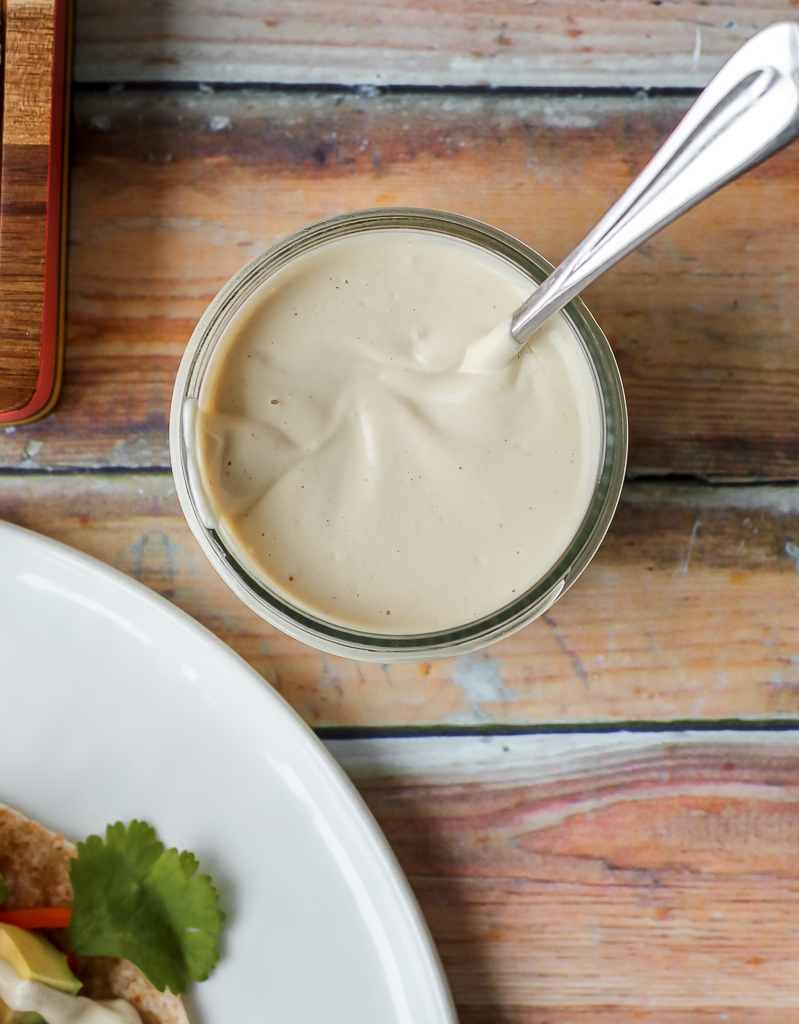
pixel 749 110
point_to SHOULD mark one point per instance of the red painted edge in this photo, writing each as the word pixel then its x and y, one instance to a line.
pixel 48 381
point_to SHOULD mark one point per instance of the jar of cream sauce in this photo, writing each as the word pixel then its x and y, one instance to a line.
pixel 352 483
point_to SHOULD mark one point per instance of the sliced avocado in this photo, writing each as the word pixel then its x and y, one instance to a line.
pixel 9 1016
pixel 35 959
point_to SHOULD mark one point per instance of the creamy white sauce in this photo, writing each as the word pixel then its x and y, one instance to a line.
pixel 61 1007
pixel 358 472
pixel 493 351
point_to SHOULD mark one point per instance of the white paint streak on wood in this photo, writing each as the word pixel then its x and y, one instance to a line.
pixel 480 679
pixel 697 54
pixel 792 551
pixel 443 760
pixel 691 541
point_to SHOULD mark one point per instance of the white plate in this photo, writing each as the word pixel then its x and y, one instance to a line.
pixel 116 705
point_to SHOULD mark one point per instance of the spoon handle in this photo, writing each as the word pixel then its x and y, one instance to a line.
pixel 747 112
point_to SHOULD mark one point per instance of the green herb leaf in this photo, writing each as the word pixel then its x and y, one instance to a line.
pixel 137 900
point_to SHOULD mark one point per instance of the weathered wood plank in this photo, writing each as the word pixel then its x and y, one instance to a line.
pixel 688 611
pixel 648 878
pixel 511 43
pixel 173 192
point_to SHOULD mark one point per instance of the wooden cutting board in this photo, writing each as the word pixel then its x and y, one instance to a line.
pixel 33 195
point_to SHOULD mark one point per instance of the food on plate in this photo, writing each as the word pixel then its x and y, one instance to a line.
pixel 121 919
pixel 35 959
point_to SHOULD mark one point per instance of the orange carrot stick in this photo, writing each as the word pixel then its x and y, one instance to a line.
pixel 37 917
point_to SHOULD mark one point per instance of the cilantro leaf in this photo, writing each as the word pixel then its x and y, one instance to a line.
pixel 137 900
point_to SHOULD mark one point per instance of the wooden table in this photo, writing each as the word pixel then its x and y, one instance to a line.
pixel 600 815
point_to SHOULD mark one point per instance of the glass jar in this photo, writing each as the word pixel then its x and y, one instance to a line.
pixel 307 626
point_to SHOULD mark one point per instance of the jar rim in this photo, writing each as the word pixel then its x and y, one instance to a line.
pixel 352 642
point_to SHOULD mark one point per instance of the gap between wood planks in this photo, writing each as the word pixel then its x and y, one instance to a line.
pixel 332 735
pixel 374 91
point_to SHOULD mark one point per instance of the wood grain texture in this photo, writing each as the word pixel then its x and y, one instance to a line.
pixel 32 207
pixel 174 192
pixel 688 611
pixel 23 237
pixel 27 96
pixel 510 43
pixel 640 878
pixel 28 71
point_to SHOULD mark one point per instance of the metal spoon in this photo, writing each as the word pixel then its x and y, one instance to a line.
pixel 749 111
